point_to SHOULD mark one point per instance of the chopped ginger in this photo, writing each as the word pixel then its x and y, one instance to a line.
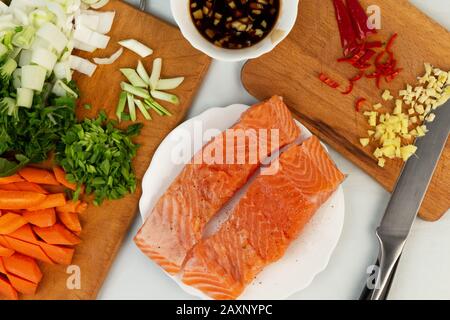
pixel 364 142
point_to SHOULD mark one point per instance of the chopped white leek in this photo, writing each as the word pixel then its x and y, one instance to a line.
pixel 111 59
pixel 165 96
pixel 24 97
pixel 142 72
pixel 99 4
pixel 33 77
pixel 137 47
pixel 53 35
pixel 89 37
pixel 133 77
pixel 62 70
pixel 61 89
pixel 131 106
pixel 83 46
pixel 82 65
pixel 44 58
pixel 25 57
pixel 156 73
pixel 169 84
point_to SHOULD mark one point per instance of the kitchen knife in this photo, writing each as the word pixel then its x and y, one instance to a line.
pixel 405 202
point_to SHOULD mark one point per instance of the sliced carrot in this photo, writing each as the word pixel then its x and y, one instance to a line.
pixel 22 285
pixel 60 255
pixel 24 267
pixel 10 222
pixel 24 233
pixel 82 207
pixel 29 186
pixel 20 199
pixel 2 266
pixel 9 186
pixel 57 234
pixel 11 179
pixel 28 249
pixel 70 220
pixel 39 176
pixel 60 176
pixel 7 290
pixel 41 218
pixel 70 206
pixel 4 243
pixel 6 252
pixel 51 201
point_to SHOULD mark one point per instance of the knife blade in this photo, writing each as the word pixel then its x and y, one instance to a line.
pixel 405 202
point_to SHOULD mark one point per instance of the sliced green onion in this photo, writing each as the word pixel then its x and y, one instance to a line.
pixel 136 47
pixel 143 73
pixel 131 106
pixel 143 109
pixel 140 92
pixel 33 77
pixel 169 84
pixel 156 106
pixel 165 96
pixel 121 105
pixel 156 73
pixel 24 97
pixel 152 106
pixel 133 77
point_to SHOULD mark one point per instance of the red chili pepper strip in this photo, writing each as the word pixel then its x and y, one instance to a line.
pixel 373 44
pixel 359 19
pixel 357 77
pixel 366 57
pixel 391 42
pixel 348 36
pixel 349 89
pixel 329 82
pixel 379 57
pixel 359 103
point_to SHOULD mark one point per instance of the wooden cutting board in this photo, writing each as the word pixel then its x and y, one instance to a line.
pixel 292 69
pixel 104 227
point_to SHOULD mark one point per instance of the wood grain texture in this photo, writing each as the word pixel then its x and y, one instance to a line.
pixel 104 227
pixel 291 70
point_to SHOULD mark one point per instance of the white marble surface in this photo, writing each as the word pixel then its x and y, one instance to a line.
pixel 422 272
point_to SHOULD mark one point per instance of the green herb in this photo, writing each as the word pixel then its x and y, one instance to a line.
pixel 8 168
pixel 97 155
pixel 87 106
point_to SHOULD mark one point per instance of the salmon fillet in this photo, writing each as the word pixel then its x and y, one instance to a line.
pixel 177 221
pixel 266 220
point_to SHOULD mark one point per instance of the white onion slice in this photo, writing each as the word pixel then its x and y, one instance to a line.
pixel 83 46
pixel 82 65
pixel 136 47
pixel 111 59
pixel 99 4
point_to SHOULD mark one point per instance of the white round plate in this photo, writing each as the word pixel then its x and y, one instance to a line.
pixel 307 256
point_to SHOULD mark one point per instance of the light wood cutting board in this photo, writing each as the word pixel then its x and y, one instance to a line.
pixel 104 227
pixel 291 70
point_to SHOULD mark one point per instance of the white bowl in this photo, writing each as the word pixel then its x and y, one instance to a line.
pixel 284 25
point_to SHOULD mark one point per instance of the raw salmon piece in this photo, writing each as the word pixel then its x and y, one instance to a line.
pixel 266 220
pixel 177 221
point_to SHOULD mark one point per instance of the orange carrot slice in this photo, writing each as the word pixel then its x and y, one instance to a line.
pixel 4 243
pixel 28 186
pixel 10 222
pixel 6 252
pixel 24 267
pixel 7 290
pixel 60 255
pixel 70 220
pixel 22 285
pixel 70 206
pixel 82 207
pixel 57 234
pixel 20 199
pixel 11 179
pixel 60 176
pixel 28 249
pixel 41 218
pixel 51 201
pixel 2 266
pixel 39 176
pixel 24 233
pixel 9 187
